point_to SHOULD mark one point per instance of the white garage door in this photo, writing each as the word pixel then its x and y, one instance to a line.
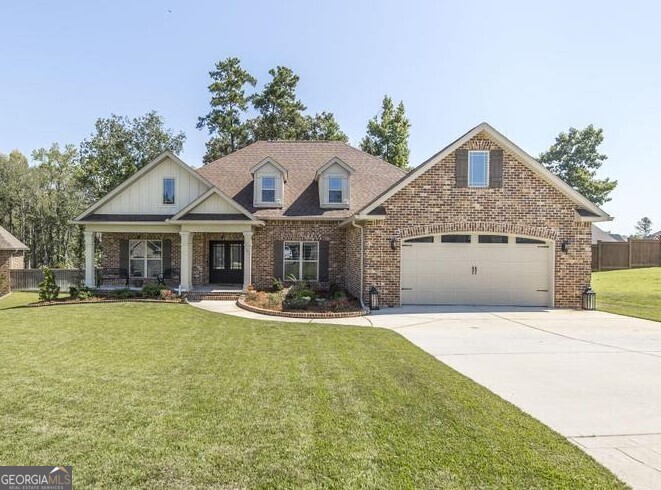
pixel 476 269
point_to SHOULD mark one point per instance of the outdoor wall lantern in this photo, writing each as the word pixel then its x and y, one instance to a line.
pixel 565 246
pixel 589 299
pixel 393 243
pixel 374 298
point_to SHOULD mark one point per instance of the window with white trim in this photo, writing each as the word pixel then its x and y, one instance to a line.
pixel 268 189
pixel 145 258
pixel 335 186
pixel 301 261
pixel 168 190
pixel 478 169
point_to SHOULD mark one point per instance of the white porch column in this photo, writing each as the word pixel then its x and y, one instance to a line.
pixel 186 260
pixel 90 277
pixel 247 259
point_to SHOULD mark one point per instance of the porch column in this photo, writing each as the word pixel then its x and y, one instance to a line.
pixel 186 260
pixel 90 279
pixel 247 259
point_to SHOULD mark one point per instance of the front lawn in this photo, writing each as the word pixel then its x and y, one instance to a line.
pixel 632 292
pixel 166 395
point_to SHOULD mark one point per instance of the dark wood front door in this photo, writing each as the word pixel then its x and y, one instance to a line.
pixel 226 262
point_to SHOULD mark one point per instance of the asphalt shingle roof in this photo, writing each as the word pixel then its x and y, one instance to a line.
pixel 302 159
pixel 9 241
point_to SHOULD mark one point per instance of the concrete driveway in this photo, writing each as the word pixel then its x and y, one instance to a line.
pixel 593 377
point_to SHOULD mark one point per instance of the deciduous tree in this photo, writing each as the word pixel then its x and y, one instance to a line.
pixel 575 158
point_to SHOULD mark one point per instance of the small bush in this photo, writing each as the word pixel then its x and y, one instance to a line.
pixel 299 297
pixel 81 293
pixel 277 285
pixel 124 293
pixel 48 289
pixel 152 290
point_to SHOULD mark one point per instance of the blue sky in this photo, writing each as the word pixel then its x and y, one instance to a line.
pixel 531 69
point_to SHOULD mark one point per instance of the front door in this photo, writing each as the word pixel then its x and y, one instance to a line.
pixel 226 262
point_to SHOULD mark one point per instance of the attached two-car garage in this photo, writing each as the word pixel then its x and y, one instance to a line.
pixel 477 269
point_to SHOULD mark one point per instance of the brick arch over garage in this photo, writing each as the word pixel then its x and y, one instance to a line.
pixel 478 226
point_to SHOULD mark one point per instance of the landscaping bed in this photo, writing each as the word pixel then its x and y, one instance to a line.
pixel 303 300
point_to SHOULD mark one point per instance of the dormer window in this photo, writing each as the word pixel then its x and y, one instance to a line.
pixel 268 189
pixel 168 191
pixel 269 183
pixel 335 186
pixel 333 179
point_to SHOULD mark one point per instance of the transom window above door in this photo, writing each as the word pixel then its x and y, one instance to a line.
pixel 478 168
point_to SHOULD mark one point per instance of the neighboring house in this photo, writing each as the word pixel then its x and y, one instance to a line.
pixel 599 235
pixel 11 257
pixel 480 222
pixel 656 235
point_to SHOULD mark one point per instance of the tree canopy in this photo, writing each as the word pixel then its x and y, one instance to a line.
pixel 226 121
pixel 644 227
pixel 575 158
pixel 388 134
pixel 120 147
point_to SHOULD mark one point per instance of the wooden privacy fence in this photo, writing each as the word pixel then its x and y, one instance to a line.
pixel 29 279
pixel 608 256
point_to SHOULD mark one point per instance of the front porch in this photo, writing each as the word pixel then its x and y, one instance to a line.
pixel 203 259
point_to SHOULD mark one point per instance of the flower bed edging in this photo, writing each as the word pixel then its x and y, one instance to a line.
pixel 308 314
pixel 101 301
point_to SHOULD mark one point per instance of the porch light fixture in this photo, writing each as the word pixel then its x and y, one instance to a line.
pixel 589 299
pixel 565 246
pixel 393 243
pixel 374 298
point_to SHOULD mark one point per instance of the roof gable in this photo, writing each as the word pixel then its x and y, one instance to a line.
pixel 214 202
pixel 502 141
pixel 181 167
pixel 334 161
pixel 271 161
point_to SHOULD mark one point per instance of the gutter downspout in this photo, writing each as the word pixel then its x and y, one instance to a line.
pixel 362 254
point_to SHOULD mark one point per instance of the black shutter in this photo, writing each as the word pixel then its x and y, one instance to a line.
pixel 277 259
pixel 323 261
pixel 167 259
pixel 461 168
pixel 123 258
pixel 496 168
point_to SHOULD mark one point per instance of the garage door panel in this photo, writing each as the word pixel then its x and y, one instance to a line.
pixel 506 274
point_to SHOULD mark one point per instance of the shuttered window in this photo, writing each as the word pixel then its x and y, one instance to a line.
pixel 145 258
pixel 301 261
pixel 478 168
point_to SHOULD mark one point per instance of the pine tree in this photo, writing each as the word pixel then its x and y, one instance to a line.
pixel 388 134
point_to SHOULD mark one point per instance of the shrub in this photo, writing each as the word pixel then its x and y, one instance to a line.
pixel 277 285
pixel 48 289
pixel 299 297
pixel 81 293
pixel 152 290
pixel 124 293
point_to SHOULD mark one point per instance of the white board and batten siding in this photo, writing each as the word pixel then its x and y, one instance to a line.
pixel 517 274
pixel 214 204
pixel 145 196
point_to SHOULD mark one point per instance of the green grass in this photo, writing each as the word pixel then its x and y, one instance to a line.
pixel 632 292
pixel 169 396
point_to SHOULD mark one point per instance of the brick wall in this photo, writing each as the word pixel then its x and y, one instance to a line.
pixel 263 238
pixel 18 260
pixel 110 248
pixel 524 205
pixel 5 280
pixel 352 270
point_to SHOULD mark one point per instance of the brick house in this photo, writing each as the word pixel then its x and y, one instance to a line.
pixel 480 222
pixel 11 257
